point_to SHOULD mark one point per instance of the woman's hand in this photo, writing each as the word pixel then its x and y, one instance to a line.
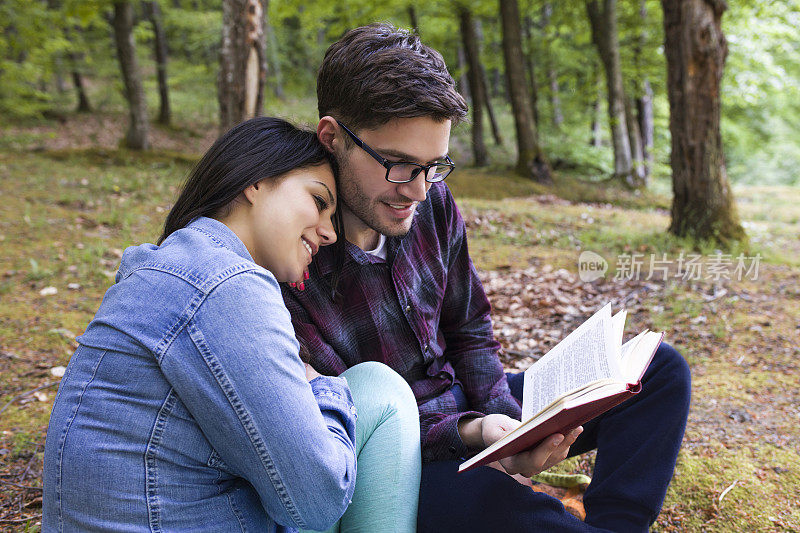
pixel 300 284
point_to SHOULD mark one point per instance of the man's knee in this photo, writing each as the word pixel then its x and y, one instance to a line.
pixel 673 371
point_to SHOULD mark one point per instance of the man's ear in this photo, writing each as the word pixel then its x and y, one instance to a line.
pixel 327 131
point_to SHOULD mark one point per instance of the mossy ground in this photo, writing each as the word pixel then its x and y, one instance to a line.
pixel 68 213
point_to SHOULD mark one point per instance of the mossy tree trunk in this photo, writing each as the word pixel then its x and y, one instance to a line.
pixel 137 137
pixel 531 161
pixel 470 41
pixel 243 63
pixel 603 21
pixel 695 48
pixel 487 96
pixel 80 90
pixel 530 64
pixel 153 11
pixel 644 98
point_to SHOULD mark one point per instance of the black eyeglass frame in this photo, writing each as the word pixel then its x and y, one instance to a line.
pixel 389 164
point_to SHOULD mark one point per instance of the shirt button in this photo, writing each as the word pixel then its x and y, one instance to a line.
pixel 408 308
pixel 453 450
pixel 425 348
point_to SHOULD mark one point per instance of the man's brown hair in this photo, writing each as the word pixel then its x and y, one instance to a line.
pixel 376 73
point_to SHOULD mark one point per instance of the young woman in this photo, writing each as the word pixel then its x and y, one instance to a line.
pixel 186 405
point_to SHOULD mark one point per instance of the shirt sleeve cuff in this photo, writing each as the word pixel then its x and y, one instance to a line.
pixel 443 442
pixel 335 402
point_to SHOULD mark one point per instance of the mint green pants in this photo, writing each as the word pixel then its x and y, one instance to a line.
pixel 388 451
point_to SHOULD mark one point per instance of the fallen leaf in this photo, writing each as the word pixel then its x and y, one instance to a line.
pixel 41 396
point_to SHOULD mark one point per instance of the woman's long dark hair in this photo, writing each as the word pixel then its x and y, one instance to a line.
pixel 259 148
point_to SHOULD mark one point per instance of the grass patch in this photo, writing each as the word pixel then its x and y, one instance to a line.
pixel 74 211
pixel 756 481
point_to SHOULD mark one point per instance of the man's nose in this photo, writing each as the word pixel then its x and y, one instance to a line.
pixel 416 189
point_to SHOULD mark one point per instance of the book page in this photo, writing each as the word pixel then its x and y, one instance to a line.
pixel 618 321
pixel 637 353
pixel 585 355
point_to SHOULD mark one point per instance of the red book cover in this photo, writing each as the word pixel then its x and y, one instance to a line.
pixel 562 422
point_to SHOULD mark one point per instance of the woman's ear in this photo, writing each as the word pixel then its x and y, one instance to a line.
pixel 251 192
pixel 327 130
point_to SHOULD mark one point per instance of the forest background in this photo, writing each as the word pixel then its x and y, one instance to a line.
pixel 88 168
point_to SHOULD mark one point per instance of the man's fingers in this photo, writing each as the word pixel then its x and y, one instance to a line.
pixel 562 449
pixel 549 453
pixel 533 461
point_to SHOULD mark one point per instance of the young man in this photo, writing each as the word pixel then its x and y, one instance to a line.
pixel 403 291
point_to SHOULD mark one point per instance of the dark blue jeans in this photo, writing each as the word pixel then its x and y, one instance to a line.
pixel 637 445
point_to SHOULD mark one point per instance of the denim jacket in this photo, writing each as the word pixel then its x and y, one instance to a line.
pixel 186 406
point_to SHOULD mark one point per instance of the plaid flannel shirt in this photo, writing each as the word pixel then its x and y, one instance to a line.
pixel 423 312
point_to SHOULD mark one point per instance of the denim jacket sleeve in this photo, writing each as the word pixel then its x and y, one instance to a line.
pixel 246 387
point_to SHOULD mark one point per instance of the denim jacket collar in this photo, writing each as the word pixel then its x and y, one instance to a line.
pixel 221 235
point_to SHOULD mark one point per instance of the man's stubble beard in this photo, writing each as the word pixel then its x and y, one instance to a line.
pixel 361 206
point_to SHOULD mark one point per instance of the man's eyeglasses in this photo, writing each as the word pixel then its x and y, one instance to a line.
pixel 405 171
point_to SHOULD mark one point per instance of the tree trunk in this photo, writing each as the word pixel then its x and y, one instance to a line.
pixel 274 60
pixel 531 161
pixel 61 85
pixel 597 107
pixel 635 140
pixel 243 65
pixel 644 100
pixel 604 36
pixel 555 98
pixel 80 90
pixel 695 48
pixel 487 98
pixel 497 84
pixel 137 137
pixel 412 17
pixel 530 63
pixel 470 41
pixel 75 60
pixel 462 83
pixel 153 12
pixel 58 58
pixel 644 114
pixel 556 115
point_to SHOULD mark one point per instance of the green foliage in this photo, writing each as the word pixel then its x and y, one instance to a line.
pixel 761 86
pixel 194 35
pixel 23 57
pixel 761 92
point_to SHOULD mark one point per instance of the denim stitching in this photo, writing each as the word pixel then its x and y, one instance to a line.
pixel 211 236
pixel 236 512
pixel 63 440
pixel 190 276
pixel 216 462
pixel 246 421
pixel 204 290
pixel 150 464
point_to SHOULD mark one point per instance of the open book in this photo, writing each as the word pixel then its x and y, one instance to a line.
pixel 583 376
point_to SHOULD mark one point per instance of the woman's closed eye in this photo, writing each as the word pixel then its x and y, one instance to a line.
pixel 322 204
